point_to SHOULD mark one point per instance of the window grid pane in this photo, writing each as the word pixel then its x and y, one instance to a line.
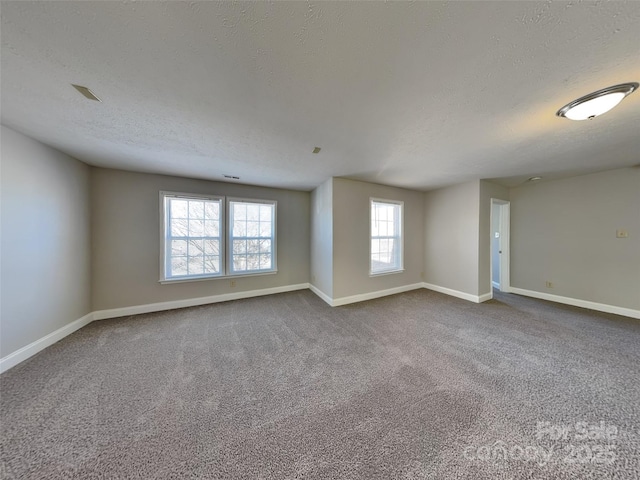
pixel 193 237
pixel 251 236
pixel 386 237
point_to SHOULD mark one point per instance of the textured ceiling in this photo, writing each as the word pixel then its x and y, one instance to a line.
pixel 417 95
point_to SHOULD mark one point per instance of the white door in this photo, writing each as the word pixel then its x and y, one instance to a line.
pixel 500 218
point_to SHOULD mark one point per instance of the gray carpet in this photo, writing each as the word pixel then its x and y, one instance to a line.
pixel 417 385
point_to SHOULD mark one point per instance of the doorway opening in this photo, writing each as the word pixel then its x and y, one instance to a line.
pixel 500 251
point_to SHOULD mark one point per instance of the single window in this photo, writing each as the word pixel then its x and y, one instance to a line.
pixel 193 240
pixel 386 237
pixel 252 236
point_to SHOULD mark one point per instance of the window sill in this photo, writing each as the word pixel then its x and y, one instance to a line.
pixel 386 272
pixel 218 277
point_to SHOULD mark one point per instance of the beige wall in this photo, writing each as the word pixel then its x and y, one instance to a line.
pixel 77 239
pixel 351 212
pixel 126 239
pixel 451 237
pixel 488 190
pixel 45 272
pixel 322 238
pixel 564 231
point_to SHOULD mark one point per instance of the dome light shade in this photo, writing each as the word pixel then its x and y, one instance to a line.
pixel 596 103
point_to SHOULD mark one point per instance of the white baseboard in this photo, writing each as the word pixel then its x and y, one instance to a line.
pixel 24 353
pixel 484 297
pixel 601 307
pixel 336 302
pixel 321 294
pixel 30 350
pixel 458 293
pixel 193 302
pixel 495 284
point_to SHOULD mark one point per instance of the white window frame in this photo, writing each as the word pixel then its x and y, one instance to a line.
pixel 400 268
pixel 229 238
pixel 225 234
pixel 165 246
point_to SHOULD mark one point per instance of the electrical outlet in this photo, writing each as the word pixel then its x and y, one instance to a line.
pixel 620 233
pixel 548 284
pixel 233 283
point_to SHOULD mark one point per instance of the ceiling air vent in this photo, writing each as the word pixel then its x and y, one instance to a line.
pixel 86 92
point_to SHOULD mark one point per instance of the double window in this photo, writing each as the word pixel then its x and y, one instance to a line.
pixel 386 237
pixel 198 242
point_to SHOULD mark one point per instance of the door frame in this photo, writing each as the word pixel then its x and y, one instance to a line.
pixel 505 244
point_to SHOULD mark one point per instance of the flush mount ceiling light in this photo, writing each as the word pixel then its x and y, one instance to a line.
pixel 535 179
pixel 86 92
pixel 596 103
